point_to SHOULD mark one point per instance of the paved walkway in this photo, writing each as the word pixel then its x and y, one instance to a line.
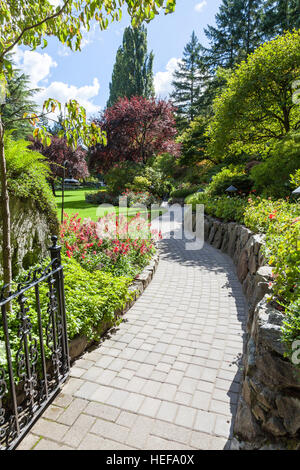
pixel 168 376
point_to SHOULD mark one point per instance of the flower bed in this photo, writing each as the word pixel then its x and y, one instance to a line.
pixel 135 198
pixel 114 244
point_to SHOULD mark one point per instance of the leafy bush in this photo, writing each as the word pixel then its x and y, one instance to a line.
pixel 295 179
pixel 160 184
pixel 141 183
pixel 262 214
pixel 272 177
pixel 280 221
pixel 183 192
pixel 256 106
pixel 122 174
pixel 291 327
pixel 166 164
pixel 101 197
pixel 27 174
pixel 227 177
pixel 223 207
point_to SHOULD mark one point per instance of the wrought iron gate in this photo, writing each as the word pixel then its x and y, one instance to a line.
pixel 34 354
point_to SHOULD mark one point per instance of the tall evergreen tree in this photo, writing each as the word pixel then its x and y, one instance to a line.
pixel 280 16
pixel 133 69
pixel 237 34
pixel 19 100
pixel 188 81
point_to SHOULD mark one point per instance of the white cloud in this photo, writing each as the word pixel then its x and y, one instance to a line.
pixel 38 66
pixel 163 80
pixel 199 7
pixel 56 3
pixel 63 92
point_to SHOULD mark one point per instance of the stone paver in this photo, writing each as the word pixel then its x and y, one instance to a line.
pixel 168 377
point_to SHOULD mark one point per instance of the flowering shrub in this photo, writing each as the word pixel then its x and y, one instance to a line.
pixel 140 197
pixel 113 244
pixel 263 214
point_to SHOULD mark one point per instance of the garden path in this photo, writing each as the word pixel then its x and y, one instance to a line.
pixel 168 377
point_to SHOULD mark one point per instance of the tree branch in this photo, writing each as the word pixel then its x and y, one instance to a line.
pixel 36 25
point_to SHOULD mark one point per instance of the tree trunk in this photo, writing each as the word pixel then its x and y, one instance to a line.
pixel 5 213
pixel 52 183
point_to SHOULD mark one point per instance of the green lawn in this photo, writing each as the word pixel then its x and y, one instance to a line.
pixel 75 203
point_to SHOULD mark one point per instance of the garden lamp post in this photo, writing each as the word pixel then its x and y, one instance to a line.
pixel 231 190
pixel 65 165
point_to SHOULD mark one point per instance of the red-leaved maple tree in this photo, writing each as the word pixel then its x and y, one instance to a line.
pixel 137 128
pixel 57 153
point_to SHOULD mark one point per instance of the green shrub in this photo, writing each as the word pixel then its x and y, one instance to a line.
pixel 194 142
pixel 183 192
pixel 272 177
pixel 227 177
pixel 166 164
pixel 118 177
pixel 101 197
pixel 295 179
pixel 291 325
pixel 141 183
pixel 262 214
pixel 224 207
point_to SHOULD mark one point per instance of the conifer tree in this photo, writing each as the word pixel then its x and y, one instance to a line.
pixel 237 34
pixel 280 16
pixel 188 81
pixel 133 69
pixel 19 100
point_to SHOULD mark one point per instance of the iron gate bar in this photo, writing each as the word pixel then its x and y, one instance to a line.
pixel 38 387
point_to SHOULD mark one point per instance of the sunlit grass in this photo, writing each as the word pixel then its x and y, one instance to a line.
pixel 74 202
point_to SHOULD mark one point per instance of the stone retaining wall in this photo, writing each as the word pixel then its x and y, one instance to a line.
pixel 269 407
pixel 31 231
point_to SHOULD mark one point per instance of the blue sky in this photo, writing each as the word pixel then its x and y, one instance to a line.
pixel 85 75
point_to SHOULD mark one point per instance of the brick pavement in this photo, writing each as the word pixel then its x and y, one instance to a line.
pixel 168 377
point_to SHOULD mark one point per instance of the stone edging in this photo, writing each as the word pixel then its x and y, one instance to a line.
pixel 78 345
pixel 268 414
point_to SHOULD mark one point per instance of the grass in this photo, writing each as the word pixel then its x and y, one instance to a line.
pixel 75 203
